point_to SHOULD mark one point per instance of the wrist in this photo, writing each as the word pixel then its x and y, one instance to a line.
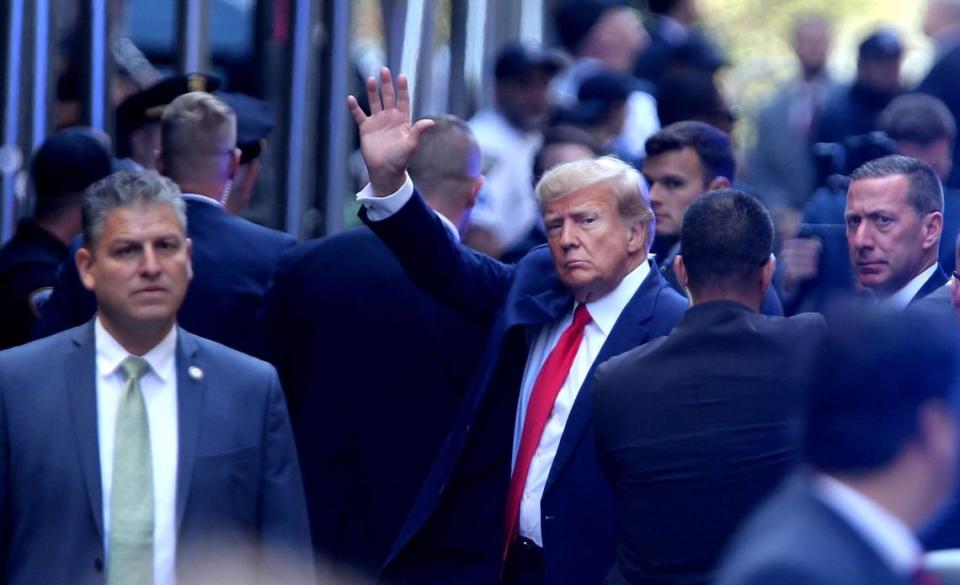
pixel 384 185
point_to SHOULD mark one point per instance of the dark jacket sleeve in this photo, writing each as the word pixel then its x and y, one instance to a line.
pixel 470 283
pixel 70 305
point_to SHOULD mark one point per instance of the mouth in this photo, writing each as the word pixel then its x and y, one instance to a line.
pixel 870 266
pixel 151 290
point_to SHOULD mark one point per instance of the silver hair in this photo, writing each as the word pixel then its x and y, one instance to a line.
pixel 127 189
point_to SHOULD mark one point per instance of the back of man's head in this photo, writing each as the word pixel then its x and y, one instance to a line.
pixel 66 163
pixel 726 241
pixel 446 163
pixel 198 136
pixel 874 375
pixel 922 127
pixel 711 145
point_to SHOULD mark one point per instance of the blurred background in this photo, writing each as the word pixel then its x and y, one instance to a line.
pixel 71 62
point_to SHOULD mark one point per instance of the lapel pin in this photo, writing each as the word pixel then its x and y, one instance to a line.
pixel 195 373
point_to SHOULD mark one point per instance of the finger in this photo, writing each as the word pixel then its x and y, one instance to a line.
pixel 403 94
pixel 422 126
pixel 386 89
pixel 373 96
pixel 358 116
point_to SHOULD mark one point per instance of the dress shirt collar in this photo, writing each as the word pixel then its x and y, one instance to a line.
pixel 202 199
pixel 885 533
pixel 900 299
pixel 451 227
pixel 606 310
pixel 110 354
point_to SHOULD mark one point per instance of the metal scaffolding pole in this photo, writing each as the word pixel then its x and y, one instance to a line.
pixel 193 48
pixel 459 102
pixel 302 121
pixel 11 155
pixel 338 150
pixel 97 46
pixel 43 78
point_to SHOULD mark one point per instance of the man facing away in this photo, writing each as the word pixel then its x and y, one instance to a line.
pixel 881 448
pixel 695 428
pixel 894 219
pixel 234 258
pixel 133 451
pixel 518 479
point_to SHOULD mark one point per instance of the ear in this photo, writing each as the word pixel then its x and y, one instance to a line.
pixel 938 430
pixel 84 260
pixel 932 229
pixel 766 275
pixel 474 192
pixel 189 249
pixel 234 163
pixel 955 294
pixel 718 183
pixel 680 269
pixel 636 237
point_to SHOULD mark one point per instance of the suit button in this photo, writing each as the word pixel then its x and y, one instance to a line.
pixel 98 564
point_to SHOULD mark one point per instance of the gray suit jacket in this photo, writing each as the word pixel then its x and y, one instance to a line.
pixel 238 483
pixel 795 539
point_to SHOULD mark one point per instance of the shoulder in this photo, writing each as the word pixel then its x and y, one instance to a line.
pixel 628 362
pixel 42 352
pixel 230 363
pixel 204 219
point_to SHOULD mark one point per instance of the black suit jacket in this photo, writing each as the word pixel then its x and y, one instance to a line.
pixel 796 539
pixel 375 371
pixel 233 262
pixel 693 429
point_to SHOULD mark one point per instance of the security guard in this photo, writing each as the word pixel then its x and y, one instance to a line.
pixel 66 164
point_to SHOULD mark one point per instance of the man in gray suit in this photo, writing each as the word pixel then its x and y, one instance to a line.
pixel 881 443
pixel 131 451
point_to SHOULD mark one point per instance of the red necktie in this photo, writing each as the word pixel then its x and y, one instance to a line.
pixel 545 389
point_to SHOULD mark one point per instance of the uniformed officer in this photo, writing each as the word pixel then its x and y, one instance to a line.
pixel 138 118
pixel 67 163
pixel 255 121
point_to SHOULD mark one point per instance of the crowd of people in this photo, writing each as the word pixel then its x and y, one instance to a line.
pixel 575 340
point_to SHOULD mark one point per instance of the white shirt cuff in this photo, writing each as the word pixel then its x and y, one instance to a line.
pixel 380 208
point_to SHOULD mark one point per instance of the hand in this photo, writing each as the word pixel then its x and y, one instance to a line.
pixel 801 261
pixel 387 136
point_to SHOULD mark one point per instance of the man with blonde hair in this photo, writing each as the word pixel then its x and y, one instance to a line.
pixel 517 489
pixel 234 259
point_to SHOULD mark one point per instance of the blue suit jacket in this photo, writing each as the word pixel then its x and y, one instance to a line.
pixel 454 533
pixel 238 483
pixel 233 262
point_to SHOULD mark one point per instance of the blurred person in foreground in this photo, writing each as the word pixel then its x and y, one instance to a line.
pixel 369 432
pixel 881 453
pixel 509 136
pixel 606 36
pixel 780 166
pixel 517 489
pixel 234 258
pixel 684 161
pixel 694 429
pixel 132 446
pixel 66 163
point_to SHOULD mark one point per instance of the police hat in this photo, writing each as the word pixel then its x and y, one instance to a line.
pixel 255 121
pixel 517 60
pixel 148 105
pixel 68 162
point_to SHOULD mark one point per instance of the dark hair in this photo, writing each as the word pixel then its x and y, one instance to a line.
pixel 711 145
pixel 918 118
pixel 725 240
pixel 66 163
pixel 926 192
pixel 873 373
pixel 691 94
pixel 661 6
pixel 564 134
pixel 126 189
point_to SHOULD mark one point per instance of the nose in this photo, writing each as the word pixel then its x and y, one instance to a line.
pixel 568 236
pixel 150 264
pixel 860 237
pixel 656 195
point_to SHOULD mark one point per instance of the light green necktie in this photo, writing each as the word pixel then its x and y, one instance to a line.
pixel 131 498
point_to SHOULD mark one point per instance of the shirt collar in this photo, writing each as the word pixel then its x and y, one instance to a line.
pixel 202 199
pixel 606 310
pixel 885 533
pixel 110 354
pixel 451 227
pixel 900 299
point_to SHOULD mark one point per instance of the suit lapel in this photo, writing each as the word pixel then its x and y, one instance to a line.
pixel 628 332
pixel 936 280
pixel 191 383
pixel 80 372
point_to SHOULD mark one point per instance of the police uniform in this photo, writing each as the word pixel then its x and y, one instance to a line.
pixel 28 270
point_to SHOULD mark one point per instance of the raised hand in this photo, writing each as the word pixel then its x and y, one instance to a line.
pixel 387 136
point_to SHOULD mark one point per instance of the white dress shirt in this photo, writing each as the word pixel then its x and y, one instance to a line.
pixel 159 388
pixel 604 313
pixel 899 300
pixel 893 540
pixel 380 208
